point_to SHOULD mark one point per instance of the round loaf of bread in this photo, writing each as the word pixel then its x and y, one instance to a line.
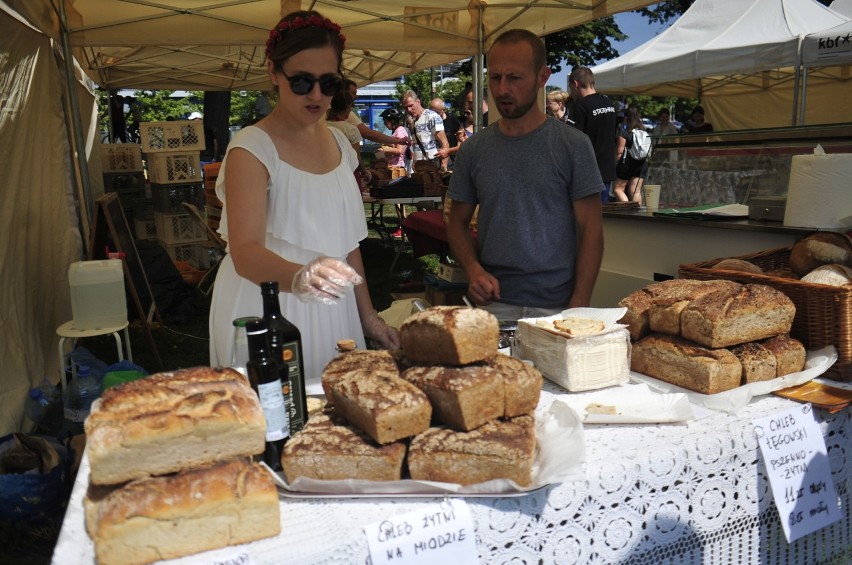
pixel 738 265
pixel 834 275
pixel 821 248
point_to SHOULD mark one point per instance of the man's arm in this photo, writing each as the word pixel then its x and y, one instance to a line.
pixel 587 212
pixel 483 288
pixel 379 137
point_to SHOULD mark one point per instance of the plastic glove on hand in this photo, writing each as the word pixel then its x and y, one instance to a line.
pixel 324 280
pixel 377 329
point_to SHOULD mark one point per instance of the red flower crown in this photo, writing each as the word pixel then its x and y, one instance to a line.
pixel 299 22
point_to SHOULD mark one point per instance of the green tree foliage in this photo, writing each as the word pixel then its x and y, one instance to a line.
pixel 421 82
pixel 583 45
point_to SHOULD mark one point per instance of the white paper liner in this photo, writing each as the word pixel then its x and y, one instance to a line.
pixel 635 404
pixel 733 401
pixel 559 457
pixel 578 363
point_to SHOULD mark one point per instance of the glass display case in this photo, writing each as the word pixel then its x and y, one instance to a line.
pixel 738 166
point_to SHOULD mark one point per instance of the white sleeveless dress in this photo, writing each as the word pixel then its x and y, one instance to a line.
pixel 308 216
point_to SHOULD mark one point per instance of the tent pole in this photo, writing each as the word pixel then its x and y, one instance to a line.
pixel 79 139
pixel 804 97
pixel 795 118
pixel 479 63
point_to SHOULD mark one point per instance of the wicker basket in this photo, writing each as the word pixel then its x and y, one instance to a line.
pixel 823 313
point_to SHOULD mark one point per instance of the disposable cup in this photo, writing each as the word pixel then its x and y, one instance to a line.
pixel 652 196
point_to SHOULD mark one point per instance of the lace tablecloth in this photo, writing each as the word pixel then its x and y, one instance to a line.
pixel 652 494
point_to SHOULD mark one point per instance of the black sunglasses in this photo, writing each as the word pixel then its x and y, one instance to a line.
pixel 303 83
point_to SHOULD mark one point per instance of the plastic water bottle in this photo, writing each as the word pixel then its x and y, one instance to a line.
pixel 37 404
pixel 78 399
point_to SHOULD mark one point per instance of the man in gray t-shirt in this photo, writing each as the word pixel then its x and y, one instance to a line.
pixel 536 182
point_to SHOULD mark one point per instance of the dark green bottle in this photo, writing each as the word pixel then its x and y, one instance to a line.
pixel 263 374
pixel 285 343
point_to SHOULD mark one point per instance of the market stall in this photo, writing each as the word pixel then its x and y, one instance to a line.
pixel 682 492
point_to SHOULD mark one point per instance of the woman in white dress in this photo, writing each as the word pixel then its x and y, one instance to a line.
pixel 292 212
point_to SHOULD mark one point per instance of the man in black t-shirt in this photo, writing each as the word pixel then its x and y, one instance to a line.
pixel 594 115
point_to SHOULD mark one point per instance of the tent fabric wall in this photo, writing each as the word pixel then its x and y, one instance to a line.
pixel 39 237
pixel 739 57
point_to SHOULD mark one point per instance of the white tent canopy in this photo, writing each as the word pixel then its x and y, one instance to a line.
pixel 203 45
pixel 842 6
pixel 739 57
pixel 832 46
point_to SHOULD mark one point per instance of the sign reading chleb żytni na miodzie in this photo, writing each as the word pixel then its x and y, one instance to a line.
pixel 796 461
pixel 435 533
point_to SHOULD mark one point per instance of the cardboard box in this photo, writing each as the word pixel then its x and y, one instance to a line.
pixel 445 297
pixel 451 273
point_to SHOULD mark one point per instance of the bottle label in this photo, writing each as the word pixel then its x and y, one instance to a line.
pixel 290 356
pixel 274 411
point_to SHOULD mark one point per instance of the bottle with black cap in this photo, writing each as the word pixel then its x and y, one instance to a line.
pixel 263 374
pixel 285 344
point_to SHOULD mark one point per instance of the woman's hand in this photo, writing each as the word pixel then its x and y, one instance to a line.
pixel 376 329
pixel 324 280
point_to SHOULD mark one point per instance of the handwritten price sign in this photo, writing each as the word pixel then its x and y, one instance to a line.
pixel 796 459
pixel 442 533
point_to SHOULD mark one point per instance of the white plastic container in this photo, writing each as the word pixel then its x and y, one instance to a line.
pixel 97 294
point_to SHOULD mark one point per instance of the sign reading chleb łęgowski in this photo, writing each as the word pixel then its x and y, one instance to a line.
pixel 796 460
pixel 438 533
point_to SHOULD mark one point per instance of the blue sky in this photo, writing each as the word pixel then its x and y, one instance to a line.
pixel 637 30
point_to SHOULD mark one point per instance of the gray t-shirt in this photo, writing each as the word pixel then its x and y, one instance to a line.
pixel 525 187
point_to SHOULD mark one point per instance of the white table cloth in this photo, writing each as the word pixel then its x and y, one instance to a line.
pixel 652 494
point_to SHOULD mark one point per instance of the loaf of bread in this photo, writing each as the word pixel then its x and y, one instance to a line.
pixel 449 335
pixel 382 405
pixel 790 354
pixel 675 360
pixel 820 248
pixel 664 313
pixel 500 449
pixel 368 359
pixel 171 421
pixel 522 384
pixel 329 449
pixel 757 361
pixel 736 315
pixel 199 509
pixel 463 398
pixel 673 294
pixel 735 264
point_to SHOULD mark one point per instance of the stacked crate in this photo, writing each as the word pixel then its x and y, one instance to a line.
pixel 173 154
pixel 124 174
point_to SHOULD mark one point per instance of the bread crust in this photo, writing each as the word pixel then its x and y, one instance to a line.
pixel 737 315
pixel 384 406
pixel 522 384
pixel 671 297
pixel 790 354
pixel 500 449
pixel 171 421
pixel 757 361
pixel 463 398
pixel 449 335
pixel 226 503
pixel 675 360
pixel 368 359
pixel 329 449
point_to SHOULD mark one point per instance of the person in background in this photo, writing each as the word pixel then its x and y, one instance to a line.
pixel 291 210
pixel 697 124
pixel 394 122
pixel 594 115
pixel 466 129
pixel 117 118
pixel 664 125
pixel 427 129
pixel 211 144
pixel 133 133
pixel 557 105
pixel 262 106
pixel 365 130
pixel 468 98
pixel 540 237
pixel 338 112
pixel 629 171
pixel 451 126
